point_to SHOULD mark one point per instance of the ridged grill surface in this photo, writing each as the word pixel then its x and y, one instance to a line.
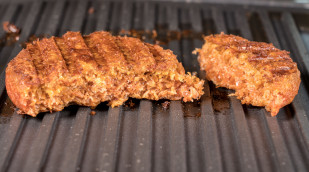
pixel 217 133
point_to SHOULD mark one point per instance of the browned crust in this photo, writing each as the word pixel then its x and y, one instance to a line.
pixel 82 67
pixel 261 55
pixel 54 72
pixel 21 75
pixel 165 59
pixel 49 62
pixel 260 74
pixel 137 54
pixel 105 51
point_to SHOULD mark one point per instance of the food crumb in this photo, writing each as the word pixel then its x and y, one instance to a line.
pixel 10 28
pixel 198 114
pixel 197 50
pixel 130 104
pixel 12 34
pixel 166 104
pixel 91 10
pixel 154 34
pixel 92 112
pixel 124 32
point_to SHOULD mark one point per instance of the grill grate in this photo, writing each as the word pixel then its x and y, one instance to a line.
pixel 227 136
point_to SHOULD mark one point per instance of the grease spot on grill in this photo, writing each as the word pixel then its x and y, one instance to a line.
pixel 220 100
pixel 7 109
pixel 192 109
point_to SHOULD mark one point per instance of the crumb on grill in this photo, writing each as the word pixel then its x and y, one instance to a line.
pixel 92 112
pixel 10 28
pixel 166 104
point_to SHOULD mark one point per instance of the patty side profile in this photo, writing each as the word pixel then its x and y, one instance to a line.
pixel 260 74
pixel 55 72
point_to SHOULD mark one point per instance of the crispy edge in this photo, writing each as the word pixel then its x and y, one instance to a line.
pixel 290 86
pixel 21 76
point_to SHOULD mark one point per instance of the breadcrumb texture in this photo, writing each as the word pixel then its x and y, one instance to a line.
pixel 260 74
pixel 55 72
